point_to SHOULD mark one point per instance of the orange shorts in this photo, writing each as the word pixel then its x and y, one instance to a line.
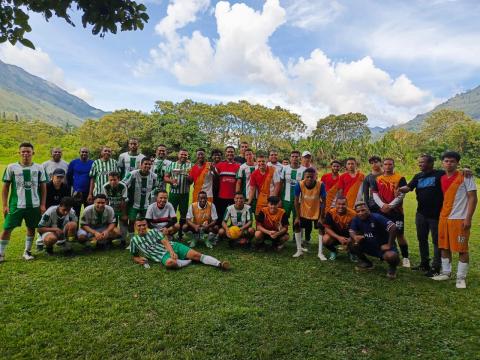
pixel 452 236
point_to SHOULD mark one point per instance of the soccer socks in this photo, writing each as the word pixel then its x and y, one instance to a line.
pixel 3 245
pixel 320 244
pixel 209 260
pixel 404 251
pixel 462 270
pixel 28 243
pixel 447 266
pixel 298 240
pixel 183 263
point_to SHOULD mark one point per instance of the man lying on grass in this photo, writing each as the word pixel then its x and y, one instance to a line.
pixel 155 246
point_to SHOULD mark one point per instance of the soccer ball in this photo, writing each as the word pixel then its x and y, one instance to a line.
pixel 235 232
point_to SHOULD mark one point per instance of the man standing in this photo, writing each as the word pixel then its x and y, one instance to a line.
pixel 99 172
pixel 201 220
pixel 56 162
pixel 242 158
pixel 56 188
pixel 307 160
pixel 459 203
pixel 130 160
pixel 272 225
pixel 350 183
pixel 273 161
pixel 370 181
pixel 201 175
pixel 290 176
pixel 265 182
pixel 331 183
pixel 26 180
pixel 160 165
pixel 79 180
pixel 216 156
pixel 244 173
pixel 161 214
pixel 227 172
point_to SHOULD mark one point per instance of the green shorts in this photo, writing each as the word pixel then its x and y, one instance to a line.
pixel 289 208
pixel 15 217
pixel 180 202
pixel 180 249
pixel 134 214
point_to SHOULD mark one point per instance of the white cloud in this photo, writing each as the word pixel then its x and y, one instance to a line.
pixel 310 15
pixel 38 63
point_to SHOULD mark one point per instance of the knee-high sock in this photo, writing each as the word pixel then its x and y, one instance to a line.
pixel 3 245
pixel 320 244
pixel 28 243
pixel 183 263
pixel 209 260
pixel 446 266
pixel 404 250
pixel 298 240
pixel 462 270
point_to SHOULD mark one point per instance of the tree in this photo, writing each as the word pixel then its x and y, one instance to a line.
pixel 104 16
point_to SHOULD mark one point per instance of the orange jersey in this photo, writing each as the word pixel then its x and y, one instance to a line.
pixel 340 224
pixel 387 185
pixel 331 186
pixel 199 215
pixel 310 199
pixel 272 221
pixel 351 187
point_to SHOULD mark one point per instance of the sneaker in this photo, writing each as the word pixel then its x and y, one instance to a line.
pixel 353 258
pixel 391 273
pixel 364 265
pixel 461 284
pixel 333 256
pixel 322 257
pixel 406 263
pixel 27 255
pixel 298 254
pixel 441 277
pixel 432 272
pixel 225 265
pixel 2 258
pixel 421 267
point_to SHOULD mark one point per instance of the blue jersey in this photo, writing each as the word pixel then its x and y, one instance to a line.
pixel 374 228
pixel 78 175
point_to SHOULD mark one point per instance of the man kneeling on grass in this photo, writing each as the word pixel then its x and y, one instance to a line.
pixel 272 225
pixel 374 235
pixel 155 246
pixel 58 224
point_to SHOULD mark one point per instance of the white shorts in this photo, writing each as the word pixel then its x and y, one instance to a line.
pixel 82 232
pixel 41 237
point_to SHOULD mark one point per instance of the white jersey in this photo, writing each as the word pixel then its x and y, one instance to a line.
pixel 460 201
pixel 51 219
pixel 50 166
pixel 128 163
pixel 278 166
pixel 25 185
pixel 140 188
pixel 160 217
pixel 159 168
pixel 243 174
pixel 94 219
pixel 238 217
pixel 213 211
pixel 290 178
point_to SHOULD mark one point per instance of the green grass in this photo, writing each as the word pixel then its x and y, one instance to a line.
pixel 270 306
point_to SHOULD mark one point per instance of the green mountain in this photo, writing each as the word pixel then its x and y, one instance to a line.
pixel 34 98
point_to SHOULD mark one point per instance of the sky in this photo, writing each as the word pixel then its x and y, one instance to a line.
pixel 390 60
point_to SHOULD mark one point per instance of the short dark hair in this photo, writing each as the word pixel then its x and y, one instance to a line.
pixel 26 144
pixel 374 158
pixel 145 159
pixel 202 193
pixel 272 151
pixel 341 197
pixel 430 159
pixel 200 149
pixel 67 202
pixel 451 155
pixel 140 218
pixel 229 147
pixel 389 159
pixel 286 159
pixel 163 145
pixel 249 149
pixel 100 196
pixel 309 170
pixel 350 159
pixel 336 162
pixel 162 191
pixel 133 139
pixel 360 203
pixel 239 193
pixel 261 155
pixel 295 152
pixel 244 142
pixel 216 152
pixel 114 174
pixel 273 200
pixel 183 149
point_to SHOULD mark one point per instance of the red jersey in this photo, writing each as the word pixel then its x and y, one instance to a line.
pixel 329 181
pixel 227 172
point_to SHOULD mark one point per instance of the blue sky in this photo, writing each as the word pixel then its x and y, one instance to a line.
pixel 387 59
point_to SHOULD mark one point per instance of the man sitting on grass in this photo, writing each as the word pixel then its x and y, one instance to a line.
pixel 201 221
pixel 374 235
pixel 58 224
pixel 272 225
pixel 240 215
pixel 155 246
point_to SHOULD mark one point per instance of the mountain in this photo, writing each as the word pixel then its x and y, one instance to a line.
pixel 34 98
pixel 468 102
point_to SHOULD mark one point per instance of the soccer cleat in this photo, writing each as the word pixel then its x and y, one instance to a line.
pixel 2 258
pixel 304 249
pixel 421 267
pixel 364 265
pixel 322 257
pixel 225 265
pixel 461 284
pixel 406 263
pixel 333 256
pixel 27 255
pixel 432 272
pixel 391 273
pixel 441 277
pixel 298 254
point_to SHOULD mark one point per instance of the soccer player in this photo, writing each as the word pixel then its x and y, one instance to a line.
pixel 153 245
pixel 99 172
pixel 272 225
pixel 55 163
pixel 58 224
pixel 216 156
pixel 273 160
pixel 201 175
pixel 350 183
pixel 459 203
pixel 26 180
pixel 56 188
pixel 309 199
pixel 331 183
pixel 130 160
pixel 244 173
pixel 160 165
pixel 242 158
pixel 290 176
pixel 98 223
pixel 79 180
pixel 370 181
pixel 307 160
pixel 140 184
pixel 177 176
pixel 285 162
pixel 264 182
pixel 374 235
pixel 385 190
pixel 201 220
pixel 161 214
pixel 239 214
pixel 227 172
pixel 117 197
pixel 337 227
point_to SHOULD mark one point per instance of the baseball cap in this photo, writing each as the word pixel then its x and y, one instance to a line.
pixel 58 172
pixel 306 153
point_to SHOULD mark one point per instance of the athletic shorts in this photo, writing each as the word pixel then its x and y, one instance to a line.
pixel 134 214
pixel 305 223
pixel 452 236
pixel 274 242
pixel 398 218
pixel 180 202
pixel 371 247
pixel 178 248
pixel 82 232
pixel 289 208
pixel 15 217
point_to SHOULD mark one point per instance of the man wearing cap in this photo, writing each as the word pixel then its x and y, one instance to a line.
pixel 307 160
pixel 56 188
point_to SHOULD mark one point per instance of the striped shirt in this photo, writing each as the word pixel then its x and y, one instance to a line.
pixel 99 172
pixel 290 178
pixel 243 174
pixel 51 219
pixel 149 245
pixel 25 180
pixel 115 195
pixel 127 162
pixel 180 172
pixel 159 168
pixel 238 217
pixel 140 188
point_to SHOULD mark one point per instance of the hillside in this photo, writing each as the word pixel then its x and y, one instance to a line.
pixel 34 98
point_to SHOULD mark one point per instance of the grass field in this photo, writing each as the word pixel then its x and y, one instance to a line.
pixel 270 306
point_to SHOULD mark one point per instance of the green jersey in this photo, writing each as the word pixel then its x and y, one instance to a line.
pixel 290 178
pixel 140 188
pixel 25 185
pixel 127 162
pixel 180 172
pixel 238 217
pixel 243 174
pixel 99 172
pixel 149 245
pixel 159 168
pixel 115 195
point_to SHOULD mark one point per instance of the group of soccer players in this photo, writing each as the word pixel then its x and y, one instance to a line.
pixel 248 200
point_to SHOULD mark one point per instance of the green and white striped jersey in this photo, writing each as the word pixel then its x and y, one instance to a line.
pixel 99 172
pixel 290 178
pixel 243 174
pixel 96 219
pixel 51 218
pixel 115 195
pixel 140 188
pixel 149 246
pixel 25 185
pixel 179 171
pixel 238 217
pixel 159 168
pixel 127 162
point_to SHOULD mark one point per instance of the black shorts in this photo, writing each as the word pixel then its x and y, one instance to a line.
pixel 398 218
